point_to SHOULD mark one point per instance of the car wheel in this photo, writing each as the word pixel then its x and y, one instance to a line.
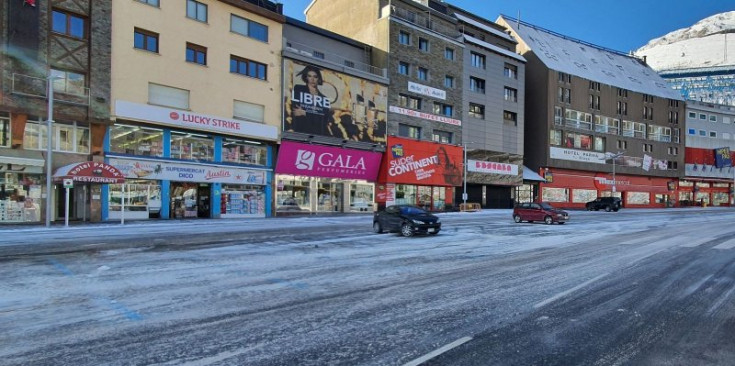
pixel 608 209
pixel 517 218
pixel 406 230
pixel 615 209
pixel 589 208
pixel 377 228
pixel 548 220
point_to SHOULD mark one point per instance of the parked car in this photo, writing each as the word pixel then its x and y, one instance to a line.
pixel 407 220
pixel 532 211
pixel 604 203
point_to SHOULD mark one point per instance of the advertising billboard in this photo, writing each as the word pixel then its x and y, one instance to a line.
pixel 328 162
pixel 319 101
pixel 410 161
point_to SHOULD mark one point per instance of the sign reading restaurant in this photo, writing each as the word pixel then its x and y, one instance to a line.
pixel 430 117
pixel 194 121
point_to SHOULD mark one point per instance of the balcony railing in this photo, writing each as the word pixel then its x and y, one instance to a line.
pixel 32 86
pixel 659 137
pixel 575 123
pixel 423 20
pixel 320 54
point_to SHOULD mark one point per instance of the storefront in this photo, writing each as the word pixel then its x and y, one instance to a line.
pixel 709 177
pixel 22 180
pixel 86 176
pixel 572 189
pixel 419 173
pixel 324 179
pixel 156 188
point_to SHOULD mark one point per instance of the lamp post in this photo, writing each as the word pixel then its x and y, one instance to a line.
pixel 613 156
pixel 464 177
pixel 49 133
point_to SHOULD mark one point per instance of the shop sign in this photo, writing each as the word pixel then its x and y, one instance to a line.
pixel 425 163
pixel 194 121
pixel 323 102
pixel 427 116
pixel 89 172
pixel 577 155
pixel 722 157
pixel 427 90
pixel 489 167
pixel 326 161
pixel 182 172
pixel 602 181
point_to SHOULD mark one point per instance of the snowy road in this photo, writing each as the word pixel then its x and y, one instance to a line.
pixel 633 287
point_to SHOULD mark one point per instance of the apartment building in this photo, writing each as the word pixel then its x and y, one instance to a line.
pixel 65 44
pixel 196 88
pixel 598 122
pixel 493 92
pixel 709 174
pixel 421 45
pixel 335 105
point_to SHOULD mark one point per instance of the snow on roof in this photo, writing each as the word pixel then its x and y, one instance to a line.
pixel 494 48
pixel 484 27
pixel 591 62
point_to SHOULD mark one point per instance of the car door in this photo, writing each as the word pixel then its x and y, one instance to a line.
pixel 392 218
pixel 536 212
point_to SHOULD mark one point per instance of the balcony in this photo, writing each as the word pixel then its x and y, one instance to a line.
pixel 423 20
pixel 36 87
pixel 335 59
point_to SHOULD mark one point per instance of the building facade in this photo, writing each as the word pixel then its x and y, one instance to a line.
pixel 195 89
pixel 335 105
pixel 598 122
pixel 65 44
pixel 421 46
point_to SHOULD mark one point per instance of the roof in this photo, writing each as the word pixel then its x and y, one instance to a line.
pixel 591 62
pixel 494 48
pixel 484 27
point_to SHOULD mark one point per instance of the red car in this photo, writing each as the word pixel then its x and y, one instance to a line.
pixel 532 211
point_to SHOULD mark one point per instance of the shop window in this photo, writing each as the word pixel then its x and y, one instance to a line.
pixel 5 136
pixel 638 198
pixel 550 194
pixel 142 199
pixel 361 197
pixel 293 195
pixel 188 146
pixel 583 195
pixel 242 201
pixel 20 197
pixel 405 194
pixel 243 152
pixel 136 140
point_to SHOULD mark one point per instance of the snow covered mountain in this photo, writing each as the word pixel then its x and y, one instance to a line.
pixel 708 43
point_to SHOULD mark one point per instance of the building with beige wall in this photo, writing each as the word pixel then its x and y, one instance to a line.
pixel 196 104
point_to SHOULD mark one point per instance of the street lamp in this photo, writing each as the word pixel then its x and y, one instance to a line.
pixel 464 176
pixel 613 156
pixel 49 133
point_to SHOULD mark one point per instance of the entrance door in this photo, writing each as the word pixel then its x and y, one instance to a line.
pixel 203 201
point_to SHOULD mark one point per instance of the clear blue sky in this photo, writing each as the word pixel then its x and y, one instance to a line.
pixel 622 25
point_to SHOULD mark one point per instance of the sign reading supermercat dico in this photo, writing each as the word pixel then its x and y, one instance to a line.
pixel 193 121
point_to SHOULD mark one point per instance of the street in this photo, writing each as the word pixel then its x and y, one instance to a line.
pixel 636 287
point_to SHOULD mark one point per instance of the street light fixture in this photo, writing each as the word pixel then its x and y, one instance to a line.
pixel 49 133
pixel 613 156
pixel 464 175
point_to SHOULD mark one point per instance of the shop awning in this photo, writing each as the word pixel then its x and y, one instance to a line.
pixel 529 174
pixel 21 161
pixel 90 172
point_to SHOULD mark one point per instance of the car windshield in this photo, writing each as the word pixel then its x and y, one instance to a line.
pixel 546 206
pixel 409 210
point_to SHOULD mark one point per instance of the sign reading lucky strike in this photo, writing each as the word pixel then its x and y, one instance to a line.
pixel 424 163
pixel 328 162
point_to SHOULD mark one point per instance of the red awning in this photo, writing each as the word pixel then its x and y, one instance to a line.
pixel 90 172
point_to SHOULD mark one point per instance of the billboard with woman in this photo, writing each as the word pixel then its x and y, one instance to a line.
pixel 319 101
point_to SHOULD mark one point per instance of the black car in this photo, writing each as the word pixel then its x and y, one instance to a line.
pixel 406 219
pixel 604 203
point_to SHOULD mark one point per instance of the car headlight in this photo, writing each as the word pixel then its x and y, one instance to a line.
pixel 417 222
pixel 438 221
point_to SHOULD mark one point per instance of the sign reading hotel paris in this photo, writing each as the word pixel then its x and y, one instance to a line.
pixel 194 121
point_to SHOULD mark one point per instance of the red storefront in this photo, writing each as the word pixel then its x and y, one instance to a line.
pixel 419 173
pixel 708 177
pixel 573 188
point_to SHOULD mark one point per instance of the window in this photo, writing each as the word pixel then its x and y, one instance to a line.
pixel 404 38
pixel 703 116
pixel 622 108
pixel 555 137
pixel 594 85
pixel 136 140
pixel 510 94
pixel 66 137
pixel 692 115
pixel 441 136
pixel 622 93
pixel 510 71
pixel 449 81
pixel 168 96
pixel 424 45
pixel 622 144
pixel 565 78
pixel 648 113
pixel 150 2
pixel 4 129
pixel 577 119
pixel 599 144
pixel 409 131
pixel 647 148
pixel 477 111
pixel 692 131
pixel 145 40
pixel 191 146
pixel 477 85
pixel 702 133
pixel 67 24
pixel 403 68
pixel 248 28
pixel 449 53
pixel 578 141
pixel 673 151
pixel 558 116
pixel 69 82
pixel 477 60
pixel 243 66
pixel 634 129
pixel 196 54
pixel 422 73
pixel 674 117
pixel 248 111
pixel 673 103
pixel 509 116
pixel 607 125
pixel 594 101
pixel 443 109
pixel 565 95
pixel 196 10
pixel 243 152
pixel 713 134
pixel 713 118
pixel 409 102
